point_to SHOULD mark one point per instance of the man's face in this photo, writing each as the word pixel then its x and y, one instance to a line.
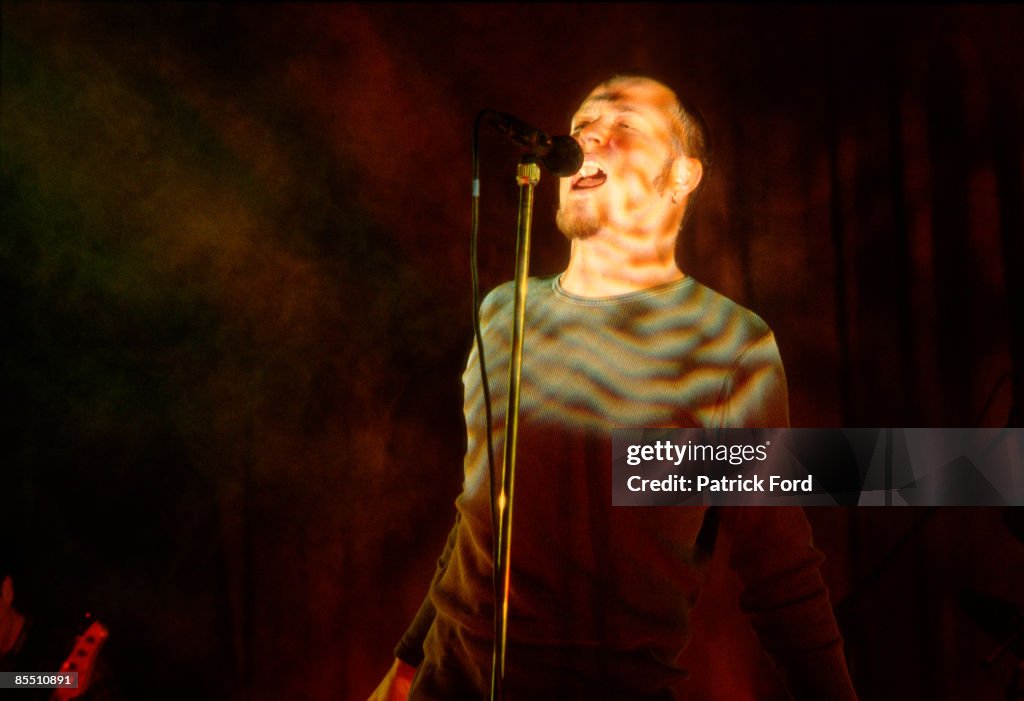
pixel 625 129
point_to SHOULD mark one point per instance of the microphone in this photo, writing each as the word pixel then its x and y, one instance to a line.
pixel 561 155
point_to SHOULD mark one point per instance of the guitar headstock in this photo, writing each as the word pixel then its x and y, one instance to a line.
pixel 83 660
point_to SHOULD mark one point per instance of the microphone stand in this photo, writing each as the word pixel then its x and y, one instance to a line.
pixel 527 177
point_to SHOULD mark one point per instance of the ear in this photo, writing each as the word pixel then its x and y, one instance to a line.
pixel 686 175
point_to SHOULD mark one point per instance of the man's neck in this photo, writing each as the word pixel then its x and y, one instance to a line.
pixel 605 266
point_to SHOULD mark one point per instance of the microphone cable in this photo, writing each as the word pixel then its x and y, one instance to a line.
pixel 474 272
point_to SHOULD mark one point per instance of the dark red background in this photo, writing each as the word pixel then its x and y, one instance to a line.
pixel 235 258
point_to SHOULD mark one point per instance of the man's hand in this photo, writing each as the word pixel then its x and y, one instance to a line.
pixel 396 683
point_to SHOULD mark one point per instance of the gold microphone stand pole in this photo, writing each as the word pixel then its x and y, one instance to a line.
pixel 527 176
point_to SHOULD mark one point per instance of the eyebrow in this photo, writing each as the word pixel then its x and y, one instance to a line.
pixel 607 96
pixel 621 109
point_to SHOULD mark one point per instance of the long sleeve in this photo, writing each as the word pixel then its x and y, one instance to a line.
pixel 755 393
pixel 410 647
pixel 787 601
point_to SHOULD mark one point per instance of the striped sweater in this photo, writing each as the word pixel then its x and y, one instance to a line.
pixel 601 595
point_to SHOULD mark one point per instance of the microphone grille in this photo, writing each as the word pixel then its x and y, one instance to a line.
pixel 565 156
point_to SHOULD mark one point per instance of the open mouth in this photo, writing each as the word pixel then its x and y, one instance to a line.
pixel 589 176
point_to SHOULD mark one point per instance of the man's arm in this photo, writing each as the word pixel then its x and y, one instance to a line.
pixel 787 601
pixel 410 647
pixel 772 551
pixel 396 683
pixel 754 393
pixel 409 650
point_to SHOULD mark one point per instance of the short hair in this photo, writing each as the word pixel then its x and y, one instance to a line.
pixel 690 134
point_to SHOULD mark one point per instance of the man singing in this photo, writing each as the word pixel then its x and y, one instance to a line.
pixel 600 595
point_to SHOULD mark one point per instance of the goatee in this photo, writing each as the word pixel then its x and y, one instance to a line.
pixel 575 225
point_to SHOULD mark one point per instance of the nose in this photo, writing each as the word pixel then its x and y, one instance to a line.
pixel 591 134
